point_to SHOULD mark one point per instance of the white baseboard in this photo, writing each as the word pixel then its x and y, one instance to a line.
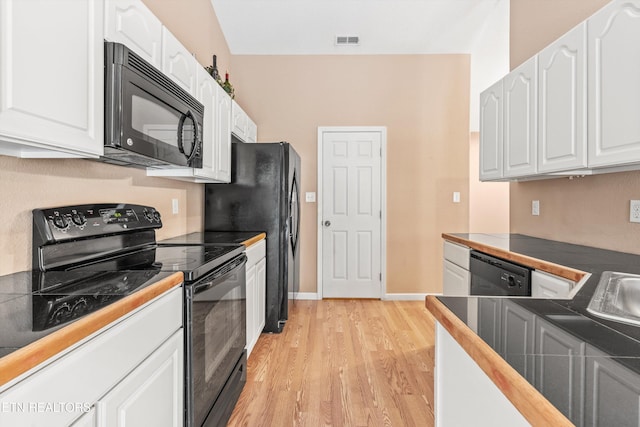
pixel 303 295
pixel 387 297
pixel 405 297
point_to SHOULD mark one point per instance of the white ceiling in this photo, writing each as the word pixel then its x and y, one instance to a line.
pixel 308 27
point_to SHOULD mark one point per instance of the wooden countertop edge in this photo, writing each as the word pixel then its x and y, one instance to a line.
pixel 538 264
pixel 254 239
pixel 30 356
pixel 526 399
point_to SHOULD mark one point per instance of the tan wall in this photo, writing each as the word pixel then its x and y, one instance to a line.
pixel 488 201
pixel 536 23
pixel 28 184
pixel 591 210
pixel 195 24
pixel 424 103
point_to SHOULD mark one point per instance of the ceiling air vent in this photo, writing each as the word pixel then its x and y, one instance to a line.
pixel 347 40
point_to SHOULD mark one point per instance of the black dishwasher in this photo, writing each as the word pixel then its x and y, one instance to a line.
pixel 491 276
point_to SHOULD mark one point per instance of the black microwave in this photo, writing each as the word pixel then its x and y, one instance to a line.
pixel 150 121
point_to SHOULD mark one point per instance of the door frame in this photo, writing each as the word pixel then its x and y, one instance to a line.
pixel 383 201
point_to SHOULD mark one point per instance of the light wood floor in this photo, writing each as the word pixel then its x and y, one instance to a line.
pixel 343 363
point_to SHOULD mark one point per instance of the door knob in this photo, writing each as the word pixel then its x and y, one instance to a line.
pixel 327 223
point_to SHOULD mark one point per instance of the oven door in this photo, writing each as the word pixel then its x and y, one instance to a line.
pixel 215 326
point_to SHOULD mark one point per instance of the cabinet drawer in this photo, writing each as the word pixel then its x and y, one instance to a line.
pixel 457 254
pixel 256 252
pixel 455 280
pixel 84 374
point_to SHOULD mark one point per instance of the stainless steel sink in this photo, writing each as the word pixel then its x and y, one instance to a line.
pixel 617 297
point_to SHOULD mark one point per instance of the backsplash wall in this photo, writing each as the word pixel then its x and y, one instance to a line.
pixel 26 184
pixel 593 210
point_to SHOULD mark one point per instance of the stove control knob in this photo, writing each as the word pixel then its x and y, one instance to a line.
pixel 156 216
pixel 147 215
pixel 60 221
pixel 79 219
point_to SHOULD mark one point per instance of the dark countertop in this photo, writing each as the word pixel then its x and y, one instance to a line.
pixel 216 237
pixel 33 328
pixel 618 341
pixel 585 258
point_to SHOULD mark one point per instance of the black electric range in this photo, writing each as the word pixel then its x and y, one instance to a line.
pixel 117 241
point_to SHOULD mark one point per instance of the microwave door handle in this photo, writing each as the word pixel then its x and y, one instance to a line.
pixel 194 149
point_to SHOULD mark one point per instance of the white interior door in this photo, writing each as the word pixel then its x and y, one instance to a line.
pixel 351 215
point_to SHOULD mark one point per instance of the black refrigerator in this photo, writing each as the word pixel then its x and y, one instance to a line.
pixel 264 195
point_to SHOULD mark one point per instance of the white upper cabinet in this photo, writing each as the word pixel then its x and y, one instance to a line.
pixel 177 63
pixel 562 103
pixel 252 131
pixel 241 124
pixel 614 84
pixel 206 93
pixel 222 136
pixel 216 136
pixel 520 120
pixel 131 23
pixel 491 132
pixel 51 78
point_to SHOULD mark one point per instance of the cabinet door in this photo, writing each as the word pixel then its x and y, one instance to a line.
pixel 239 121
pixel 614 84
pixel 491 133
pixel 489 310
pixel 87 420
pixel 251 301
pixel 151 395
pixel 178 63
pixel 455 280
pixel 613 392
pixel 261 294
pixel 559 369
pixel 51 78
pixel 520 120
pixel 131 23
pixel 518 338
pixel 206 94
pixel 562 103
pixel 252 130
pixel 223 136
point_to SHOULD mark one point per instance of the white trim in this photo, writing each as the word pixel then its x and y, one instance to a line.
pixel 303 295
pixel 383 200
pixel 405 297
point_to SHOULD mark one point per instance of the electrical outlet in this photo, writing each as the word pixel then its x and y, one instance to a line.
pixel 456 197
pixel 634 211
pixel 535 207
pixel 175 207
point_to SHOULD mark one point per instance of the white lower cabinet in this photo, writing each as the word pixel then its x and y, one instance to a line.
pixel 131 365
pixel 613 392
pixel 87 420
pixel 464 394
pixel 559 369
pixel 151 395
pixel 256 292
pixel 456 278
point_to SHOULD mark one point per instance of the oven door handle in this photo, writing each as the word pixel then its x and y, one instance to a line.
pixel 219 274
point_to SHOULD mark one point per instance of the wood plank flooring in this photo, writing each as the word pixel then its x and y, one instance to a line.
pixel 343 363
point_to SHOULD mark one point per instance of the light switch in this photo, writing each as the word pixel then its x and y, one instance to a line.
pixel 456 197
pixel 310 197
